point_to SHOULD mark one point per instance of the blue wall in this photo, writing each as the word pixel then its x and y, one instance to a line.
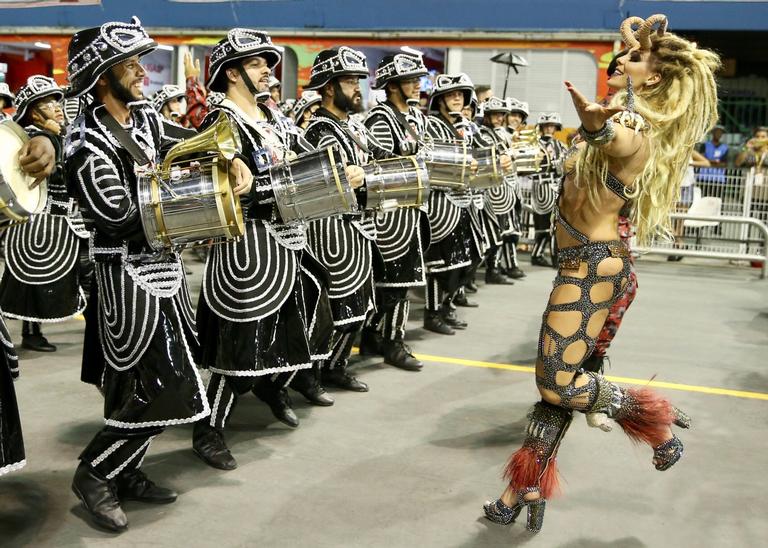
pixel 539 15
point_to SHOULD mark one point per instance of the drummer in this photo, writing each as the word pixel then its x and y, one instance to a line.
pixel 403 234
pixel 262 313
pixel 139 336
pixel 305 108
pixel 37 159
pixel 344 244
pixel 39 286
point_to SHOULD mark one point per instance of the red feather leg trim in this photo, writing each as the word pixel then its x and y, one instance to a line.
pixel 524 470
pixel 649 417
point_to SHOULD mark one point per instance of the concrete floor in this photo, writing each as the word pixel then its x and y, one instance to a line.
pixel 411 462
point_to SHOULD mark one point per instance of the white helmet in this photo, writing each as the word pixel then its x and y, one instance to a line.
pixel 517 106
pixel 550 118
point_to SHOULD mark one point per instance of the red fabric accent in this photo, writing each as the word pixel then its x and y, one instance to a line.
pixel 196 107
pixel 650 423
pixel 523 471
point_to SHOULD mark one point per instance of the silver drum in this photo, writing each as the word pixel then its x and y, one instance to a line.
pixel 396 182
pixel 449 164
pixel 195 203
pixel 17 200
pixel 489 172
pixel 312 186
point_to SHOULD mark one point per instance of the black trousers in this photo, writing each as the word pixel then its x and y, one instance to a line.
pixel 115 450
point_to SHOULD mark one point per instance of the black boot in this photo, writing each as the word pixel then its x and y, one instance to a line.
pixel 538 260
pixel 340 377
pixel 32 338
pixel 208 444
pixel 398 354
pixel 99 499
pixel 515 273
pixel 280 405
pixel 494 277
pixel 450 317
pixel 461 300
pixel 307 383
pixel 470 287
pixel 433 321
pixel 370 342
pixel 135 485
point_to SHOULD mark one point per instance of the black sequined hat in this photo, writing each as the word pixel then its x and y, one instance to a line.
pixel 37 87
pixel 240 44
pixel 93 51
pixel 445 83
pixel 165 94
pixel 332 63
pixel 399 66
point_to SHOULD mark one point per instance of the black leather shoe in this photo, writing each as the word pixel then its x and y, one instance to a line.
pixel 450 317
pixel 316 395
pixel 461 300
pixel 208 444
pixel 280 405
pixel 515 273
pixel 540 261
pixel 135 485
pixel 674 258
pixel 398 354
pixel 470 287
pixel 99 499
pixel 340 378
pixel 370 342
pixel 434 322
pixel 494 277
pixel 38 343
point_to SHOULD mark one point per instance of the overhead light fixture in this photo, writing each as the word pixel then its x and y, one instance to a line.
pixel 42 45
pixel 165 47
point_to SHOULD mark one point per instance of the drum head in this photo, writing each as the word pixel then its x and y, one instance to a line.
pixel 12 138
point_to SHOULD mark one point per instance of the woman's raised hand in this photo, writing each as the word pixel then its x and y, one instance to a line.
pixel 592 115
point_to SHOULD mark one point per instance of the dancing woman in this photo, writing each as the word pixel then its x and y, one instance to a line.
pixel 636 149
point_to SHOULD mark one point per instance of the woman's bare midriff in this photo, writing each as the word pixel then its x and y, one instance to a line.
pixel 598 226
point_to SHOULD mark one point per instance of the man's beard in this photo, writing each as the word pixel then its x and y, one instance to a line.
pixel 344 103
pixel 121 92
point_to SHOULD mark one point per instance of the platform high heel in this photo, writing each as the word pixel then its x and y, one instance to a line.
pixel 498 512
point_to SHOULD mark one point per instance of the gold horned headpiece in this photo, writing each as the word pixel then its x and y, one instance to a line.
pixel 640 38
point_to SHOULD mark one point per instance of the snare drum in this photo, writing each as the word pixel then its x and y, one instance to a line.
pixel 313 186
pixel 17 200
pixel 448 164
pixel 489 172
pixel 396 182
pixel 527 159
pixel 195 203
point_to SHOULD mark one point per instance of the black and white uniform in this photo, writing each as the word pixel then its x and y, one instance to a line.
pixel 544 191
pixel 345 244
pixel 263 311
pixel 402 235
pixel 454 245
pixel 40 282
pixel 11 441
pixel 504 202
pixel 140 341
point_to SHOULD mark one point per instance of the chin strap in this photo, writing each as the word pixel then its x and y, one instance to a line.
pixel 248 82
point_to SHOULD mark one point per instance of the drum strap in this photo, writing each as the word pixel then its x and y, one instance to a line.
pixel 400 117
pixel 356 139
pixel 122 136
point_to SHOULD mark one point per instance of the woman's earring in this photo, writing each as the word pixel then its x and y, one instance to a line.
pixel 630 95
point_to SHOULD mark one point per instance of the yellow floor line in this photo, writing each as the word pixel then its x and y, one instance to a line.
pixel 622 380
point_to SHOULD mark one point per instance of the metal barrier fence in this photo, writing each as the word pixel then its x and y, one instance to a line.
pixel 722 214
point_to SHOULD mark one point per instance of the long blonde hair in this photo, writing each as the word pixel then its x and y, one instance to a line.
pixel 680 110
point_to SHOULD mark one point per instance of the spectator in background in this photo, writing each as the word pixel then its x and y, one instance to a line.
pixel 753 154
pixel 716 152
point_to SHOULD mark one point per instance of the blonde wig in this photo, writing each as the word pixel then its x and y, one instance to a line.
pixel 679 110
